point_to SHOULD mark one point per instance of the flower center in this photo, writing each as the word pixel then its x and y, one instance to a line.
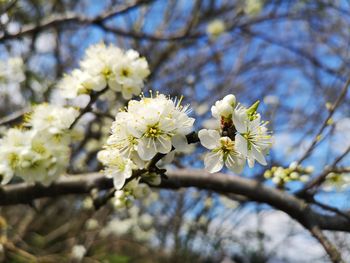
pixel 50 118
pixel 227 145
pixel 153 131
pixel 125 72
pixel 107 72
pixel 13 159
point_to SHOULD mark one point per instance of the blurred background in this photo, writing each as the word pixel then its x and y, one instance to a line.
pixel 293 56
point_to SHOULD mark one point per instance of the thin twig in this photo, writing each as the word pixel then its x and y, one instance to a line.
pixel 331 250
pixel 318 180
pixel 93 98
pixel 340 98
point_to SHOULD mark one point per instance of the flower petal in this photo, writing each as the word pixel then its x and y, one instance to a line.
pixel 210 139
pixel 241 145
pixel 213 162
pixel 258 156
pixel 163 144
pixel 235 163
pixel 179 141
pixel 146 149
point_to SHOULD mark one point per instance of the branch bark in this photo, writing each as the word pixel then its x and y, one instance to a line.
pixel 297 208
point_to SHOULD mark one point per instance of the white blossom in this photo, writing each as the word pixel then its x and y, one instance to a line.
pixel 146 127
pixel 252 139
pixel 158 124
pixel 241 135
pixel 11 76
pixel 35 156
pixel 224 108
pixel 122 71
pixel 55 119
pixel 106 66
pixel 223 151
pixel 78 252
pixel 80 82
pixel 117 166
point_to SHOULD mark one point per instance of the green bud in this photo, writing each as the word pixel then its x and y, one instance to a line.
pixel 251 111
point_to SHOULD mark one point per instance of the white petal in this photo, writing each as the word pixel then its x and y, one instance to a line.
pixel 146 149
pixel 241 145
pixel 163 144
pixel 210 139
pixel 235 163
pixel 118 178
pixel 179 141
pixel 213 162
pixel 258 156
pixel 240 120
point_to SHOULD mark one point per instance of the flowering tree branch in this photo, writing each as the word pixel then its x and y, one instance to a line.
pixel 221 183
pixel 298 209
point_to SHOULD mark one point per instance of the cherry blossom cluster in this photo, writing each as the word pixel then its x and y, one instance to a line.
pixel 106 66
pixel 295 172
pixel 146 127
pixel 242 137
pixel 39 150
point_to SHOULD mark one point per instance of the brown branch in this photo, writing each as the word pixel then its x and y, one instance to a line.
pixel 332 110
pixel 318 180
pixel 73 18
pixel 93 98
pixel 221 183
pixel 14 118
pixel 331 250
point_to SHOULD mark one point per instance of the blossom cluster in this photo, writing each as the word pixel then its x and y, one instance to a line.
pixel 106 66
pixel 242 136
pixel 12 74
pixel 39 150
pixel 148 126
pixel 336 181
pixel 280 175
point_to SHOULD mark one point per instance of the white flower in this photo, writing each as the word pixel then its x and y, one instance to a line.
pixel 11 147
pixel 336 181
pixel 55 119
pixel 117 167
pixel 80 82
pixel 123 140
pixel 11 76
pixel 33 155
pixel 215 28
pixel 130 74
pixel 78 252
pixel 223 151
pixel 224 108
pixel 252 139
pixel 122 71
pixel 158 124
pixel 146 127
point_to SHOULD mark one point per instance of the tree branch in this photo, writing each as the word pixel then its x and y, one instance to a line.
pixel 73 18
pixel 221 183
pixel 331 250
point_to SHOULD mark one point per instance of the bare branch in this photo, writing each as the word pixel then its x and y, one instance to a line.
pixel 73 18
pixel 340 98
pixel 331 250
